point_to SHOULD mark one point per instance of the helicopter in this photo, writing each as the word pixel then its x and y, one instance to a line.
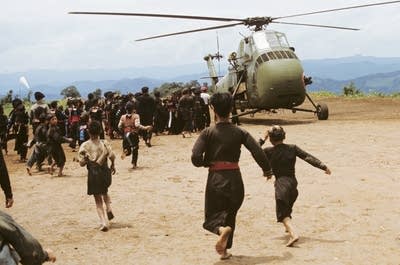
pixel 265 72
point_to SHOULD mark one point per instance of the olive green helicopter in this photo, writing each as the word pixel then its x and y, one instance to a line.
pixel 264 73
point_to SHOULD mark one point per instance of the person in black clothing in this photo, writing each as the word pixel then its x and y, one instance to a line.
pixel 40 151
pixel 160 114
pixel 5 181
pixel 283 160
pixel 146 109
pixel 185 110
pixel 3 129
pixel 199 116
pixel 20 120
pixel 218 148
pixel 61 117
pixel 19 246
pixel 54 141
pixel 96 114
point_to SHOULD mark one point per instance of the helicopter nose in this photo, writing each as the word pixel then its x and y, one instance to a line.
pixel 279 83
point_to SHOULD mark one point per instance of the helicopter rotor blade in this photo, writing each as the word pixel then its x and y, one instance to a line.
pixel 338 9
pixel 313 25
pixel 191 31
pixel 158 15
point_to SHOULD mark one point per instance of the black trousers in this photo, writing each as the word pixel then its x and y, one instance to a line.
pixel 224 196
pixel 130 142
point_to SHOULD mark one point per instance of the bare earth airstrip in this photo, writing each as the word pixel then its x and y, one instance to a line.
pixel 349 217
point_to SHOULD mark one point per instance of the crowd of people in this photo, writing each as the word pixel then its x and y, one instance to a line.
pixel 84 125
pixel 184 112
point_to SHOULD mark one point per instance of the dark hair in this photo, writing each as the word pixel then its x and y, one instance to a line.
pixel 38 95
pixel 84 117
pixel 129 107
pixel 276 133
pixel 222 104
pixel 53 104
pixel 145 89
pixel 42 117
pixel 94 128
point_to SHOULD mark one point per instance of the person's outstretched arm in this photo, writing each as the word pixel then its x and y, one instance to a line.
pixel 311 160
pixel 258 154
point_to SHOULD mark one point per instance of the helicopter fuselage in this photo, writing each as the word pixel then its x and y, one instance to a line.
pixel 265 73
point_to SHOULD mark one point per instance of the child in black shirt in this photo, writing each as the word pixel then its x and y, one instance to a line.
pixel 283 159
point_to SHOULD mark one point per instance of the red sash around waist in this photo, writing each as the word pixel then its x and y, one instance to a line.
pixel 223 165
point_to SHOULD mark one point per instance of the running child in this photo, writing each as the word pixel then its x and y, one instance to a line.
pixel 93 154
pixel 54 141
pixel 283 159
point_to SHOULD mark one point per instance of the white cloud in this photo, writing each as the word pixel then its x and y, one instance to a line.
pixel 40 34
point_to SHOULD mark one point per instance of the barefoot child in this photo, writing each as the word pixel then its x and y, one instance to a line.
pixel 283 160
pixel 93 154
pixel 218 148
pixel 54 141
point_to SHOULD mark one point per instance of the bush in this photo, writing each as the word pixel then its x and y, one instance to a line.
pixel 351 90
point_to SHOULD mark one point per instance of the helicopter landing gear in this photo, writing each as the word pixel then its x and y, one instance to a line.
pixel 322 111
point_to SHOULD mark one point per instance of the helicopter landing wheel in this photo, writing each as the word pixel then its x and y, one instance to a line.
pixel 322 111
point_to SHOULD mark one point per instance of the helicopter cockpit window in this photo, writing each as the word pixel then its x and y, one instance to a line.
pixel 270 39
pixel 260 40
pixel 282 40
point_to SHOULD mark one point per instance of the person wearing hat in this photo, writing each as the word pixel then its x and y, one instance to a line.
pixel 283 160
pixel 38 108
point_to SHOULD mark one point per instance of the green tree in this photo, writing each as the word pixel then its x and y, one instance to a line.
pixel 193 83
pixel 351 90
pixel 70 91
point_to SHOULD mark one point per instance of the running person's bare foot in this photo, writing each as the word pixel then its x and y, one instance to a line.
pixel 292 240
pixel 224 233
pixel 28 170
pixel 124 153
pixel 226 255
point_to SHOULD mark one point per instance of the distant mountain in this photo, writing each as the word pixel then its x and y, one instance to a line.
pixel 350 67
pixel 368 74
pixel 382 83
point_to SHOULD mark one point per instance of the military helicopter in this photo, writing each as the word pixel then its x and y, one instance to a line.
pixel 264 73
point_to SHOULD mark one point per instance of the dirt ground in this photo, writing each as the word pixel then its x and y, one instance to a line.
pixel 349 217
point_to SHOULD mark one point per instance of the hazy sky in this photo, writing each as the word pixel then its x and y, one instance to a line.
pixel 40 34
